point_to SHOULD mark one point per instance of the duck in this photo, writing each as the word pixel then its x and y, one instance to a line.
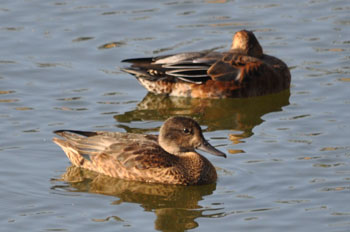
pixel 167 158
pixel 243 71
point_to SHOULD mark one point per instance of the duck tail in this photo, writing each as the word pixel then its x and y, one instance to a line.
pixel 75 157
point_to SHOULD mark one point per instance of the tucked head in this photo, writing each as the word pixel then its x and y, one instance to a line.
pixel 247 43
pixel 182 134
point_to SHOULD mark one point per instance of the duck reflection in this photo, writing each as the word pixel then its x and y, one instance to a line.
pixel 175 206
pixel 240 115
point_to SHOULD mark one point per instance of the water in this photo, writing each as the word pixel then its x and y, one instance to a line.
pixel 288 165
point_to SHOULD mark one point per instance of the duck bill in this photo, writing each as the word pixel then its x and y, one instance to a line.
pixel 210 149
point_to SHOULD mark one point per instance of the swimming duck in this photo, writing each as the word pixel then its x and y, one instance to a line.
pixel 243 71
pixel 169 158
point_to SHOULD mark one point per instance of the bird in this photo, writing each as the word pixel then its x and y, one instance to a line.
pixel 167 158
pixel 243 71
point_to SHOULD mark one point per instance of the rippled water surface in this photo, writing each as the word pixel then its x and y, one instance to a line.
pixel 288 165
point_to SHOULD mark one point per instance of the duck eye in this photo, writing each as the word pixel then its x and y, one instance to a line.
pixel 187 131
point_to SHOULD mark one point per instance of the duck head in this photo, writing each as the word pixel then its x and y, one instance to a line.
pixel 246 42
pixel 181 134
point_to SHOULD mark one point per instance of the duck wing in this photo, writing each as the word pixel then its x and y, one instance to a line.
pixel 131 150
pixel 188 67
pixel 238 67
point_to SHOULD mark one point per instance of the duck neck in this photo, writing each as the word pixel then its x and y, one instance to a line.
pixel 198 168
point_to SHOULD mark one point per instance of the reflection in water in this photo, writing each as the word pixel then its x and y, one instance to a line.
pixel 176 207
pixel 217 114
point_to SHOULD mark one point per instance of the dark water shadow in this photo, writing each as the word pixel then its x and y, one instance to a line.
pixel 240 115
pixel 176 207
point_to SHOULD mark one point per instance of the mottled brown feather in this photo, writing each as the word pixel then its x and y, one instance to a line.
pixel 143 157
pixel 243 71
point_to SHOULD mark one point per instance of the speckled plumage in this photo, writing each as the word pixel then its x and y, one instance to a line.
pixel 243 71
pixel 169 158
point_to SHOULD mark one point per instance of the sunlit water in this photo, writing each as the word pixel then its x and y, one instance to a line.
pixel 288 165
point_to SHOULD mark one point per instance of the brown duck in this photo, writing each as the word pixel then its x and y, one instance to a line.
pixel 243 71
pixel 169 158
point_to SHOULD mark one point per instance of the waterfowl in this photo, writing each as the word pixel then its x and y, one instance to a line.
pixel 243 71
pixel 169 158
